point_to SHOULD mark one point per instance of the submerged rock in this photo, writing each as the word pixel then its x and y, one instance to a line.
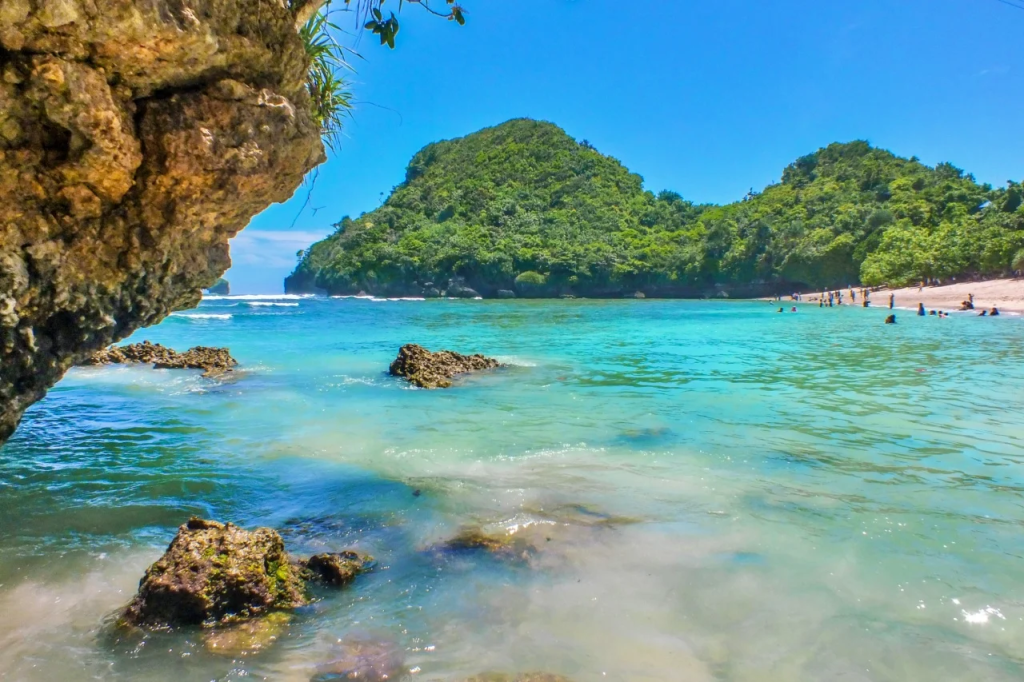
pixel 216 573
pixel 517 677
pixel 508 546
pixel 213 360
pixel 335 569
pixel 362 657
pixel 435 370
pixel 247 638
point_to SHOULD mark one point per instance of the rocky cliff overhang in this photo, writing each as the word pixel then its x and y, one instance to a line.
pixel 136 138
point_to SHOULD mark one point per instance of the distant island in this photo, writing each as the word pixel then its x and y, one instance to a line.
pixel 524 210
pixel 222 287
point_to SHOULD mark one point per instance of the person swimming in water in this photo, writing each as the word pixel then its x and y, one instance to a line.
pixel 920 309
pixel 995 312
pixel 891 319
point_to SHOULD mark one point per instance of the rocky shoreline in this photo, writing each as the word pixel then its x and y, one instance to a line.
pixel 213 361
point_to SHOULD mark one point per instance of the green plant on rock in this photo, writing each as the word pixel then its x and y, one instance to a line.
pixel 329 97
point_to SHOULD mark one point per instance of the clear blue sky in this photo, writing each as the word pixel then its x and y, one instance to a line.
pixel 706 98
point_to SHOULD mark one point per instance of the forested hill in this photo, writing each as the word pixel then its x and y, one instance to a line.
pixel 522 208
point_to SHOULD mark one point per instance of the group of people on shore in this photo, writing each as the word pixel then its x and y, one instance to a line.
pixel 833 298
pixel 836 298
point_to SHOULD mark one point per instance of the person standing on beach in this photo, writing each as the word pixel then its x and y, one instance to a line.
pixel 853 295
pixel 892 301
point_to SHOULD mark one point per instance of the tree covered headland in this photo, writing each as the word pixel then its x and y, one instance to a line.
pixel 524 208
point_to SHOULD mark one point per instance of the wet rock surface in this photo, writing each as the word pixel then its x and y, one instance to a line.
pixel 136 138
pixel 427 369
pixel 213 361
pixel 247 638
pixel 335 569
pixel 216 573
pixel 505 545
pixel 239 582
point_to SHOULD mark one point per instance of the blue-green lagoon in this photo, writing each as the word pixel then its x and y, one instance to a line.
pixel 722 492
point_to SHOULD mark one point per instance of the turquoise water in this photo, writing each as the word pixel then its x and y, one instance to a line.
pixel 729 493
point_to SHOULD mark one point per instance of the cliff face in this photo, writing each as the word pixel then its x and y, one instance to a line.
pixel 136 138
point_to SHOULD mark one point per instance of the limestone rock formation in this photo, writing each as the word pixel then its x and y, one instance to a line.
pixel 136 138
pixel 213 361
pixel 216 573
pixel 435 370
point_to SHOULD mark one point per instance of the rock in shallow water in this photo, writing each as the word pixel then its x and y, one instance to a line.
pixel 249 637
pixel 507 546
pixel 335 569
pixel 435 370
pixel 212 360
pixel 216 573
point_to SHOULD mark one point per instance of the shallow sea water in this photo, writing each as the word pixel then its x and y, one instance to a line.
pixel 730 493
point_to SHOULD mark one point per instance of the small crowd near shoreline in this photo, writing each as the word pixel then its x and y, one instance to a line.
pixel 829 299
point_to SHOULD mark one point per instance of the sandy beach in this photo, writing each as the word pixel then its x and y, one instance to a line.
pixel 1005 294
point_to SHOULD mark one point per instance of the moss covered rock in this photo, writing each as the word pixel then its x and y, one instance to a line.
pixel 216 573
pixel 249 637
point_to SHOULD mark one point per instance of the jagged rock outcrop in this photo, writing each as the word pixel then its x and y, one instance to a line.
pixel 136 138
pixel 217 573
pixel 212 361
pixel 425 369
pixel 214 572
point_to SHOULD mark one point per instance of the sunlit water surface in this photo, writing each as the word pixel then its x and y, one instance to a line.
pixel 731 493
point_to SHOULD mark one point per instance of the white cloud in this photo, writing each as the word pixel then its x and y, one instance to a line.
pixel 271 248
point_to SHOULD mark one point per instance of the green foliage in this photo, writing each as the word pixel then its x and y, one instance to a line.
pixel 370 14
pixel 531 278
pixel 329 99
pixel 524 205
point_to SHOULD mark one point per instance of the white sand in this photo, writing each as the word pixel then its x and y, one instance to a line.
pixel 1005 294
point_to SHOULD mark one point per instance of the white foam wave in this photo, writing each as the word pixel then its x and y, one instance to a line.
pixel 262 304
pixel 258 297
pixel 375 299
pixel 515 361
pixel 203 316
